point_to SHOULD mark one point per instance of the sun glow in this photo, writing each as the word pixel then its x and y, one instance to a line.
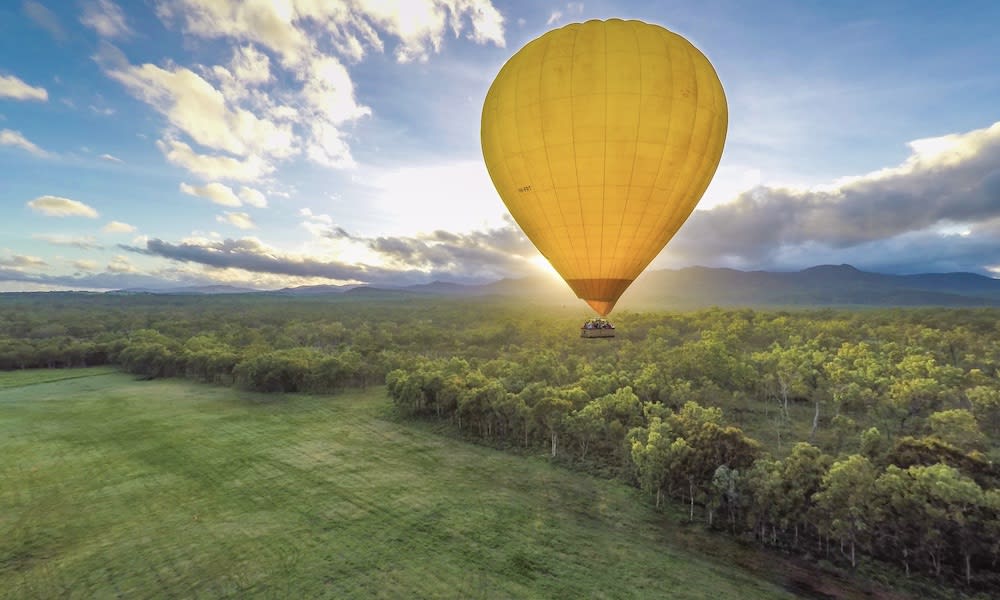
pixel 544 266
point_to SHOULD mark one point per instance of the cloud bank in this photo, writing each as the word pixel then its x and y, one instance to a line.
pixel 939 210
pixel 477 256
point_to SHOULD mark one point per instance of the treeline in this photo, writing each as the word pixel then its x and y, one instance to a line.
pixel 260 343
pixel 206 357
pixel 919 502
pixel 835 435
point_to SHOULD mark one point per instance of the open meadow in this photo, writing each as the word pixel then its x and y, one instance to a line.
pixel 116 487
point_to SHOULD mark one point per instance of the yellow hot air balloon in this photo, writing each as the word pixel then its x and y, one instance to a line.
pixel 600 138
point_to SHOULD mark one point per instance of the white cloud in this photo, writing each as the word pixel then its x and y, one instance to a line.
pixel 240 126
pixel 321 225
pixel 244 121
pixel 121 264
pixel 248 69
pixel 329 148
pixel 572 8
pixel 330 91
pixel 21 261
pixel 12 87
pixel 209 166
pixel 929 154
pixel 110 158
pixel 253 197
pixel 88 242
pixel 250 65
pixel 85 265
pixel 240 220
pixel 118 227
pixel 266 23
pixel 729 182
pixel 419 25
pixel 197 108
pixel 283 112
pixel 216 192
pixel 106 18
pixel 10 137
pixel 56 206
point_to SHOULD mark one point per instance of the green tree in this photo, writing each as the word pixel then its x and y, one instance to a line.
pixel 843 501
pixel 550 412
pixel 959 428
pixel 802 474
pixel 651 455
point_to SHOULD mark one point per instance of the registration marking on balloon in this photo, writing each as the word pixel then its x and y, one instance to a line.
pixel 619 126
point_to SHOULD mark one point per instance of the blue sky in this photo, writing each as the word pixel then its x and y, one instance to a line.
pixel 267 144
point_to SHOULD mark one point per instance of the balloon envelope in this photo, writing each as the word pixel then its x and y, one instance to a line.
pixel 600 138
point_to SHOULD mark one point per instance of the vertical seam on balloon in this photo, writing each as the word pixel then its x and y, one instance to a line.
pixel 666 141
pixel 497 140
pixel 505 153
pixel 572 139
pixel 548 163
pixel 604 175
pixel 677 206
pixel 657 233
pixel 635 153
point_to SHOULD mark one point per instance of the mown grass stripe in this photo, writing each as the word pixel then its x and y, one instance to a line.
pixel 169 489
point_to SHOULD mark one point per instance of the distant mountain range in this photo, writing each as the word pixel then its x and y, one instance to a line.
pixel 826 285
pixel 188 290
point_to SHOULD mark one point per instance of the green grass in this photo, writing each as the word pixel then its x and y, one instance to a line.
pixel 112 487
pixel 14 379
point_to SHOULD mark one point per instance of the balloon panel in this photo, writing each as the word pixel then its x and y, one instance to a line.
pixel 601 138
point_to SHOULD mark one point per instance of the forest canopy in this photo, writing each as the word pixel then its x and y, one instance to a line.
pixel 838 435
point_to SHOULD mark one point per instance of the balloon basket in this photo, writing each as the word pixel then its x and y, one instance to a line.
pixel 597 328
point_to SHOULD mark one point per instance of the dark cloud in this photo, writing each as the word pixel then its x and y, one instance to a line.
pixel 337 233
pixel 494 253
pixel 861 218
pixel 477 256
pixel 246 254
pixel 99 281
pixel 399 248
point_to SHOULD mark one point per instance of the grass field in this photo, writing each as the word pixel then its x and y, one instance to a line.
pixel 16 379
pixel 112 487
